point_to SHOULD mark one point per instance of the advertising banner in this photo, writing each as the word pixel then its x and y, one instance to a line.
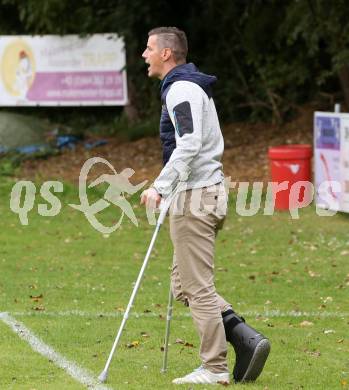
pixel 331 152
pixel 344 162
pixel 54 70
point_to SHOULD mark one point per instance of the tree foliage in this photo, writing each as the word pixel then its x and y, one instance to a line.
pixel 268 55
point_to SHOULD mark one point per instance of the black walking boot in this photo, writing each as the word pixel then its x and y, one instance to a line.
pixel 251 348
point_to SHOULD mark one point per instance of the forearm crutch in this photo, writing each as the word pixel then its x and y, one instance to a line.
pixel 167 203
pixel 167 332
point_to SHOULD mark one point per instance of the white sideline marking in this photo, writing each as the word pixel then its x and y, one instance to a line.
pixel 268 313
pixel 80 374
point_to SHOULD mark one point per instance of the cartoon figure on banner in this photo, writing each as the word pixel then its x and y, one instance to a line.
pixel 24 74
pixel 18 69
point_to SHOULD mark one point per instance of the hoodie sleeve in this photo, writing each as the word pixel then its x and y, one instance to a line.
pixel 185 105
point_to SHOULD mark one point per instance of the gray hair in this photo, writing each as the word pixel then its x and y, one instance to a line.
pixel 174 39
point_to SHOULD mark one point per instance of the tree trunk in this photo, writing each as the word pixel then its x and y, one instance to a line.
pixel 343 75
pixel 131 110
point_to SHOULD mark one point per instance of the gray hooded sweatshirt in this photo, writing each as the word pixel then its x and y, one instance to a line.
pixel 196 158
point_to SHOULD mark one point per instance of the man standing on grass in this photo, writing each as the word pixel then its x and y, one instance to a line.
pixel 192 149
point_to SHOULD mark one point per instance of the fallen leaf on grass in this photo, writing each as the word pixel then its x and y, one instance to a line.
pixel 303 324
pixel 36 298
pixel 313 274
pixel 344 382
pixel 133 344
pixel 38 308
pixel 313 353
pixel 185 343
pixel 340 341
pixel 328 299
pixel 329 331
pixel 144 334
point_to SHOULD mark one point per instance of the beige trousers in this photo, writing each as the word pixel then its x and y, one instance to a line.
pixel 195 217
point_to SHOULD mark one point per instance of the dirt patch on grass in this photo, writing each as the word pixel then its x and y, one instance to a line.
pixel 245 157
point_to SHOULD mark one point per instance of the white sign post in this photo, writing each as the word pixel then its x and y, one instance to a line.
pixel 68 70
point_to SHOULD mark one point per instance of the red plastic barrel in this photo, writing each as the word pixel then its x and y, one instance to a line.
pixel 292 164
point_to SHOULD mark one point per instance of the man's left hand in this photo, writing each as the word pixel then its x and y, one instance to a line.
pixel 151 198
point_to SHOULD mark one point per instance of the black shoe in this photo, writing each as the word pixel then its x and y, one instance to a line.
pixel 251 348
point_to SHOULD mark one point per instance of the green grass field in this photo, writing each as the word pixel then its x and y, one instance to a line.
pixel 69 284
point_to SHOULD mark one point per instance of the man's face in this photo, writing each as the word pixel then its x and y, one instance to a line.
pixel 152 56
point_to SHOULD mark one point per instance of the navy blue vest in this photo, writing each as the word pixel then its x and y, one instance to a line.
pixel 167 131
pixel 187 72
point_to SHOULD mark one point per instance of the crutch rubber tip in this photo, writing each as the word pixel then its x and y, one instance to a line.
pixel 103 376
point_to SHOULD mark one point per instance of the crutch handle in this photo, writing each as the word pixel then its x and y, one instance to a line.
pixel 166 203
pixel 164 207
